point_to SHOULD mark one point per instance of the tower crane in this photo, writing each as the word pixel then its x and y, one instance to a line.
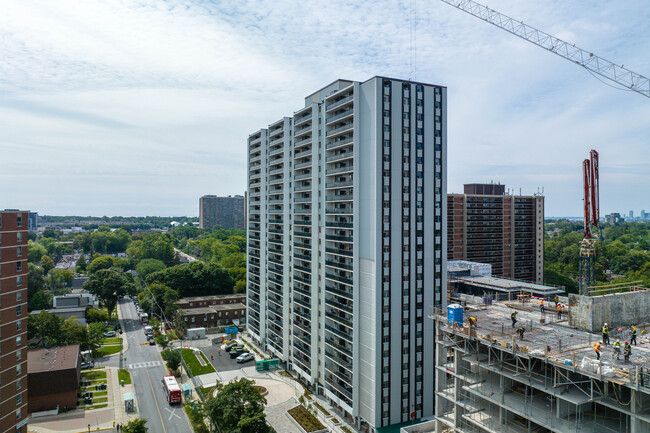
pixel 592 217
pixel 593 63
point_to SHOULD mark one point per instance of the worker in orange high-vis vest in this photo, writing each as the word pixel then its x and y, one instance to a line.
pixel 541 306
pixel 597 349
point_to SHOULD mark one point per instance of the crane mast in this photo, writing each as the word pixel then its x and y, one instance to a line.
pixel 592 217
pixel 593 63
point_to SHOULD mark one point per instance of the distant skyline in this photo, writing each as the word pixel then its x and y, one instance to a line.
pixel 139 108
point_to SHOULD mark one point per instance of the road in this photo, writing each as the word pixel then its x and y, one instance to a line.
pixel 147 370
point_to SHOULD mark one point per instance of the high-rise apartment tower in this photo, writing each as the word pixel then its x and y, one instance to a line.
pixel 13 320
pixel 346 244
pixel 485 225
pixel 223 212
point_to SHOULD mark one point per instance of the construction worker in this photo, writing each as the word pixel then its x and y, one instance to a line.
pixel 627 351
pixel 557 300
pixel 559 311
pixel 597 349
pixel 513 316
pixel 605 334
pixel 633 339
pixel 617 349
pixel 541 306
pixel 472 322
pixel 212 356
pixel 521 330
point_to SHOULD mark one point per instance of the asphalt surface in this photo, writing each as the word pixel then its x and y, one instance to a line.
pixel 147 370
pixel 223 362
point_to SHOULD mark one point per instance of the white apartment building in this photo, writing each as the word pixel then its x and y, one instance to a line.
pixel 347 244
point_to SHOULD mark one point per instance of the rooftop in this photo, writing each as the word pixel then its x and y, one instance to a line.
pixel 53 359
pixel 210 298
pixel 503 285
pixel 214 308
pixel 565 344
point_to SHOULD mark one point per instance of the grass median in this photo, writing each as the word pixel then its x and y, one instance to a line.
pixel 193 364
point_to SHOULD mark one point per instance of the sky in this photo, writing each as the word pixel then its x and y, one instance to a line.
pixel 138 108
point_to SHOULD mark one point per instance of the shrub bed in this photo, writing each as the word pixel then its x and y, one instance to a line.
pixel 322 409
pixel 306 419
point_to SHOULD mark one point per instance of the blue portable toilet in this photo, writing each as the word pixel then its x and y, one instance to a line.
pixel 455 314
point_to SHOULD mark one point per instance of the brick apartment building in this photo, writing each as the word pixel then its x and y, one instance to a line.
pixel 485 225
pixel 13 320
pixel 54 375
pixel 213 311
pixel 222 212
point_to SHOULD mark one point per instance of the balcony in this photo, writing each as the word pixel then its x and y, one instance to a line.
pixel 340 157
pixel 302 176
pixel 303 165
pixel 339 130
pixel 302 245
pixel 302 153
pixel 303 141
pixel 339 103
pixel 276 181
pixel 337 170
pixel 338 278
pixel 301 233
pixel 345 114
pixel 339 197
pixel 303 280
pixel 302 303
pixel 303 199
pixel 339 292
pixel 335 264
pixel 339 306
pixel 337 224
pixel 341 184
pixel 302 188
pixel 302 325
pixel 338 251
pixel 301 120
pixel 302 256
pixel 339 211
pixel 341 333
pixel 339 143
pixel 302 211
pixel 299 289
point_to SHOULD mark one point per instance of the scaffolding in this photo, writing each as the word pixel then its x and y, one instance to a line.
pixel 490 380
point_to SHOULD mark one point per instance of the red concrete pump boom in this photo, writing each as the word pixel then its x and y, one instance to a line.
pixel 591 198
pixel 586 175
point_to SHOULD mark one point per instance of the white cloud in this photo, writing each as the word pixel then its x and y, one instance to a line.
pixel 140 107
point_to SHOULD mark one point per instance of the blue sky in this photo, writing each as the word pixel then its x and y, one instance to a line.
pixel 140 107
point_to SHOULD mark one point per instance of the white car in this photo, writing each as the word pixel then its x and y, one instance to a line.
pixel 245 357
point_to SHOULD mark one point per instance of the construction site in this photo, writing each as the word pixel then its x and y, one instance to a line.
pixel 489 379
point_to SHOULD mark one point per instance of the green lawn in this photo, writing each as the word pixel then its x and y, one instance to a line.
pixel 108 350
pixel 193 364
pixel 124 375
pixel 93 374
pixel 116 340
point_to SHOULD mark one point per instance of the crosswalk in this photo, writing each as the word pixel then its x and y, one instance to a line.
pixel 144 364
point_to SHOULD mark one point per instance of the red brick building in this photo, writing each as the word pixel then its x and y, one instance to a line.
pixel 54 375
pixel 13 320
pixel 213 311
pixel 485 225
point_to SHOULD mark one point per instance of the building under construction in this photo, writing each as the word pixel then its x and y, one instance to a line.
pixel 490 380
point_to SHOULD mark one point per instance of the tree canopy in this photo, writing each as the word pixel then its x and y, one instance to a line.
pixel 109 285
pixel 149 266
pixel 238 408
pixel 195 279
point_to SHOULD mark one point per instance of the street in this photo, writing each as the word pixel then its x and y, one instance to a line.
pixel 147 370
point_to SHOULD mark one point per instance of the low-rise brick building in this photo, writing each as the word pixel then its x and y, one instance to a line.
pixel 53 376
pixel 213 311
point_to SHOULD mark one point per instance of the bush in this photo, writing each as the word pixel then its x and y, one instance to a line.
pixel 172 357
pixel 93 315
pixel 306 419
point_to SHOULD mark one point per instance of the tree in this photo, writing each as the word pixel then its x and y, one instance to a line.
pixel 99 263
pixel 195 279
pixel 109 285
pixel 35 252
pixel 46 327
pixel 162 340
pixel 93 315
pixel 95 335
pixel 159 300
pixel 40 300
pixel 47 264
pixel 58 279
pixel 172 357
pixel 149 266
pixel 81 264
pixel 238 407
pixel 137 425
pixel 74 332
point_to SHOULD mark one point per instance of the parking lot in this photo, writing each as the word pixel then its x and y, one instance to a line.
pixel 223 362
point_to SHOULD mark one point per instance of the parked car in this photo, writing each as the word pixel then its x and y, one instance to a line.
pixel 152 341
pixel 228 346
pixel 87 364
pixel 109 334
pixel 245 357
pixel 236 351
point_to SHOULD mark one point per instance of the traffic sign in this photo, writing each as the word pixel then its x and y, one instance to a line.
pixel 231 330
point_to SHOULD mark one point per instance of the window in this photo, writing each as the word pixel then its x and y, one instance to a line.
pixel 19 399
pixel 19 340
pixel 19 355
pixel 18 416
pixel 19 266
pixel 19 325
pixel 19 280
pixel 19 296
pixel 19 384
pixel 19 236
pixel 19 369
pixel 19 221
pixel 19 310
pixel 19 251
